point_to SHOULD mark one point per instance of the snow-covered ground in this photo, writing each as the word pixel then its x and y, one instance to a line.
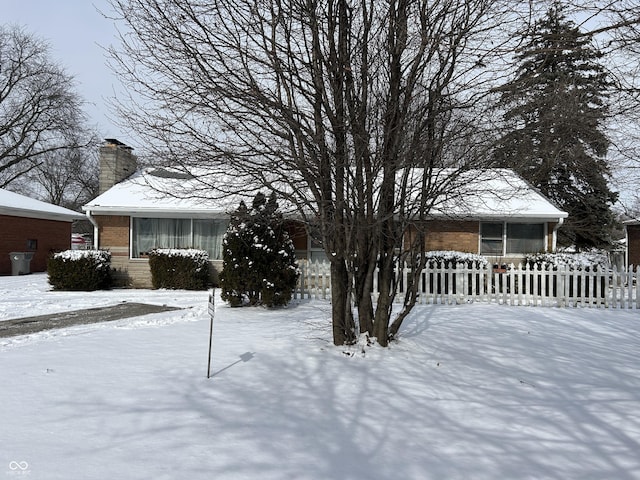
pixel 468 392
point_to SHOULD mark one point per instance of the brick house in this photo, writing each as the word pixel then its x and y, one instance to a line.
pixel 632 230
pixel 497 214
pixel 503 220
pixel 29 225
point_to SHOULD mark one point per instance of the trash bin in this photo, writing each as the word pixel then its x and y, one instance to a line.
pixel 21 262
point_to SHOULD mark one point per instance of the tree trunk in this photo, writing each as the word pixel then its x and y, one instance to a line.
pixel 385 301
pixel 344 328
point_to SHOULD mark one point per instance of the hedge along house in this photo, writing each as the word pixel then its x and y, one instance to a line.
pixel 35 227
pixel 497 215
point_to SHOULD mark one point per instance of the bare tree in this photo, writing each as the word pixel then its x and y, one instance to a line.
pixel 67 177
pixel 39 111
pixel 347 109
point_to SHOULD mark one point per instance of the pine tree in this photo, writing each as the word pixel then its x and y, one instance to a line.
pixel 555 108
pixel 259 263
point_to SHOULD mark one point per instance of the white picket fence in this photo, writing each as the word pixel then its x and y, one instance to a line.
pixel 515 285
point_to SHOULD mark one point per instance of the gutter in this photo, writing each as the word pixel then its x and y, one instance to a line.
pixel 95 229
pixel 554 236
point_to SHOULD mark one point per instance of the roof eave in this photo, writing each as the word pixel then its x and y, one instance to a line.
pixel 541 216
pixel 128 211
pixel 25 213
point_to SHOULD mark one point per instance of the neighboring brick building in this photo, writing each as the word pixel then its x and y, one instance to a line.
pixel 495 213
pixel 632 228
pixel 28 225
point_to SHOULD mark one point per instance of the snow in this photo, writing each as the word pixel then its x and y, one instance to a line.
pixel 145 193
pixel 469 391
pixel 491 194
pixel 597 259
pixel 487 194
pixel 183 252
pixel 451 256
pixel 99 256
pixel 18 205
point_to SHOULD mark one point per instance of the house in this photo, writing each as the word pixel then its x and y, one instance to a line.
pixel 32 226
pixel 632 231
pixel 498 215
pixel 494 213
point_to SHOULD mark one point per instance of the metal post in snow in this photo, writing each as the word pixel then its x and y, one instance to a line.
pixel 212 311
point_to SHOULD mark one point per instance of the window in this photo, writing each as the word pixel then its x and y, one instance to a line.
pixel 525 237
pixel 207 235
pixel 150 233
pixel 520 238
pixel 491 238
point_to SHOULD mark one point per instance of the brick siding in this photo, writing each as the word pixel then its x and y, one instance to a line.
pixel 453 235
pixel 50 235
pixel 633 233
pixel 113 232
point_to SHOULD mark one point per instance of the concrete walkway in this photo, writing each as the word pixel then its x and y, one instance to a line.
pixel 24 326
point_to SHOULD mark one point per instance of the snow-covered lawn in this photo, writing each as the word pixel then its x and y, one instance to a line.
pixel 469 392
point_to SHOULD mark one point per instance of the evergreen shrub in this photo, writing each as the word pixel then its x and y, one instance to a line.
pixel 259 263
pixel 184 269
pixel 80 270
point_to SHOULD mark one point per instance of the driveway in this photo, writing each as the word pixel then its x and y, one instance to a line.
pixel 24 326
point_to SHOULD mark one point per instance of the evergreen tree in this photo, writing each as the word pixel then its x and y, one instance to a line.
pixel 259 263
pixel 555 108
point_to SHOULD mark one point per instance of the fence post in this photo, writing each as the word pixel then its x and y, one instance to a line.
pixel 615 279
pixel 519 284
pixel 560 280
pixel 404 275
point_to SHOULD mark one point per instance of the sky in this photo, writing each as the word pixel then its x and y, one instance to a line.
pixel 78 34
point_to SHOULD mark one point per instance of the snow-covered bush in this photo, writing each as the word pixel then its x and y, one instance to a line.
pixel 442 258
pixel 588 261
pixel 80 270
pixel 186 269
pixel 259 262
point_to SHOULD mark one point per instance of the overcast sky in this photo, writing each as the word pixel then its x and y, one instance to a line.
pixel 77 34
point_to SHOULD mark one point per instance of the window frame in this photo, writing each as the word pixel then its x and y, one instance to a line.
pixel 506 239
pixel 493 238
pixel 143 256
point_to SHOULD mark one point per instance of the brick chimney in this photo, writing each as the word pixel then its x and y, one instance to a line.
pixel 117 162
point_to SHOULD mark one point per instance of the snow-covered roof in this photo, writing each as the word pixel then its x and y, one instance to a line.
pixel 16 205
pixel 494 194
pixel 633 221
pixel 158 192
pixel 483 194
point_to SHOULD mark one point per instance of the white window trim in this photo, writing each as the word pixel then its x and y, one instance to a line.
pixel 545 234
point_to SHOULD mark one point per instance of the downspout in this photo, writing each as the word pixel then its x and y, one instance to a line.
pixel 626 246
pixel 554 235
pixel 95 229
